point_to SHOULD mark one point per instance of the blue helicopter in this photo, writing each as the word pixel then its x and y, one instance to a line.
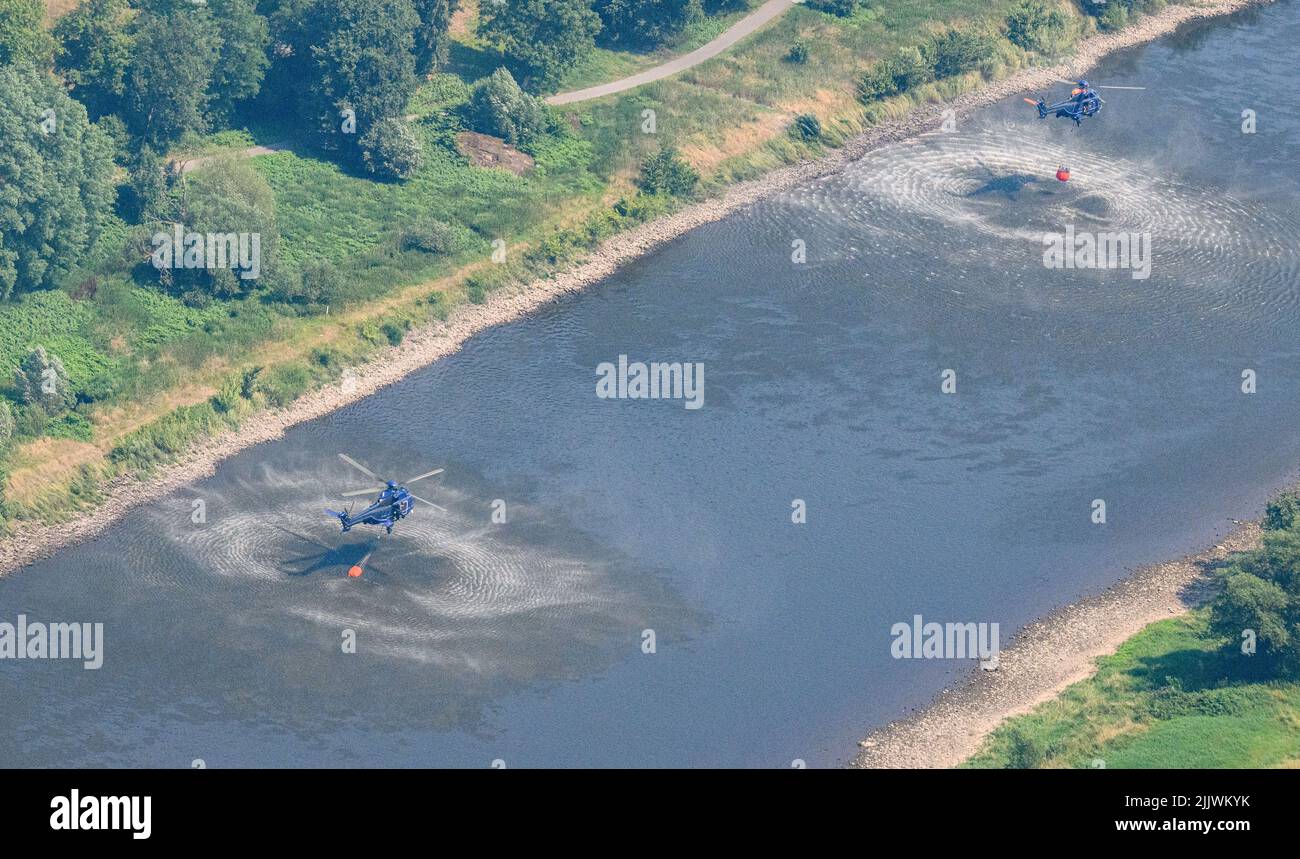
pixel 394 503
pixel 1083 102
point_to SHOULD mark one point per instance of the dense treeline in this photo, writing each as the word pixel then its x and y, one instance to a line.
pixel 141 76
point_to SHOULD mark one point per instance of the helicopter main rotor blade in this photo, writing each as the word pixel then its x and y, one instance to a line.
pixel 1121 87
pixel 352 462
pixel 363 491
pixel 427 474
pixel 426 501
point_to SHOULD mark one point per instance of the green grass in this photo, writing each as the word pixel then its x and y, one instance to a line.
pixel 1169 697
pixel 133 345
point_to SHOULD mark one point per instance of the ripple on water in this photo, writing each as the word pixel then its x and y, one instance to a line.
pixel 993 193
pixel 445 589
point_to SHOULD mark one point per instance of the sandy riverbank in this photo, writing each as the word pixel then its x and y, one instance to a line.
pixel 1047 656
pixel 425 346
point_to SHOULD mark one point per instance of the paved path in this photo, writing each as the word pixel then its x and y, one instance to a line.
pixel 768 11
pixel 742 28
pixel 192 164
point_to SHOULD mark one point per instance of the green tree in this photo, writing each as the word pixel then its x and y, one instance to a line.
pixel 41 380
pixel 242 60
pixel 1261 593
pixel 118 136
pixel 645 24
pixel 147 185
pixel 292 71
pixel 390 150
pixel 540 39
pixel 56 180
pixel 176 52
pixel 1280 514
pixel 666 173
pixel 95 53
pixel 23 38
pixel 363 52
pixel 498 106
pixel 1251 603
pixel 228 196
pixel 432 37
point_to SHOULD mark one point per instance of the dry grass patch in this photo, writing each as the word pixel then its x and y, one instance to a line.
pixel 705 154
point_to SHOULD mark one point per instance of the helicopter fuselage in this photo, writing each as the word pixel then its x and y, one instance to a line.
pixel 392 505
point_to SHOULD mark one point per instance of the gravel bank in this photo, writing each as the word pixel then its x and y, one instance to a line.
pixel 1047 656
pixel 428 345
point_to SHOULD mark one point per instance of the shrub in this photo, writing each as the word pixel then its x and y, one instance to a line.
pixel 1171 701
pixel 394 332
pixel 666 173
pixel 911 67
pixel 42 381
pixel 498 106
pixel 557 245
pixel 1280 514
pixel 432 237
pixel 1113 17
pixel 1036 27
pixel 390 150
pixel 956 52
pixel 248 382
pixel 1024 752
pixel 807 126
pixel 318 285
pixel 30 421
pixel 285 383
pixel 6 423
pixel 908 68
pixel 839 8
pixel 798 52
pixel 642 207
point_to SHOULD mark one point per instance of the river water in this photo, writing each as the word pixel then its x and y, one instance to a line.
pixel 524 642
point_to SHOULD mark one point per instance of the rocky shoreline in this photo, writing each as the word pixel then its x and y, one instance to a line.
pixel 427 345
